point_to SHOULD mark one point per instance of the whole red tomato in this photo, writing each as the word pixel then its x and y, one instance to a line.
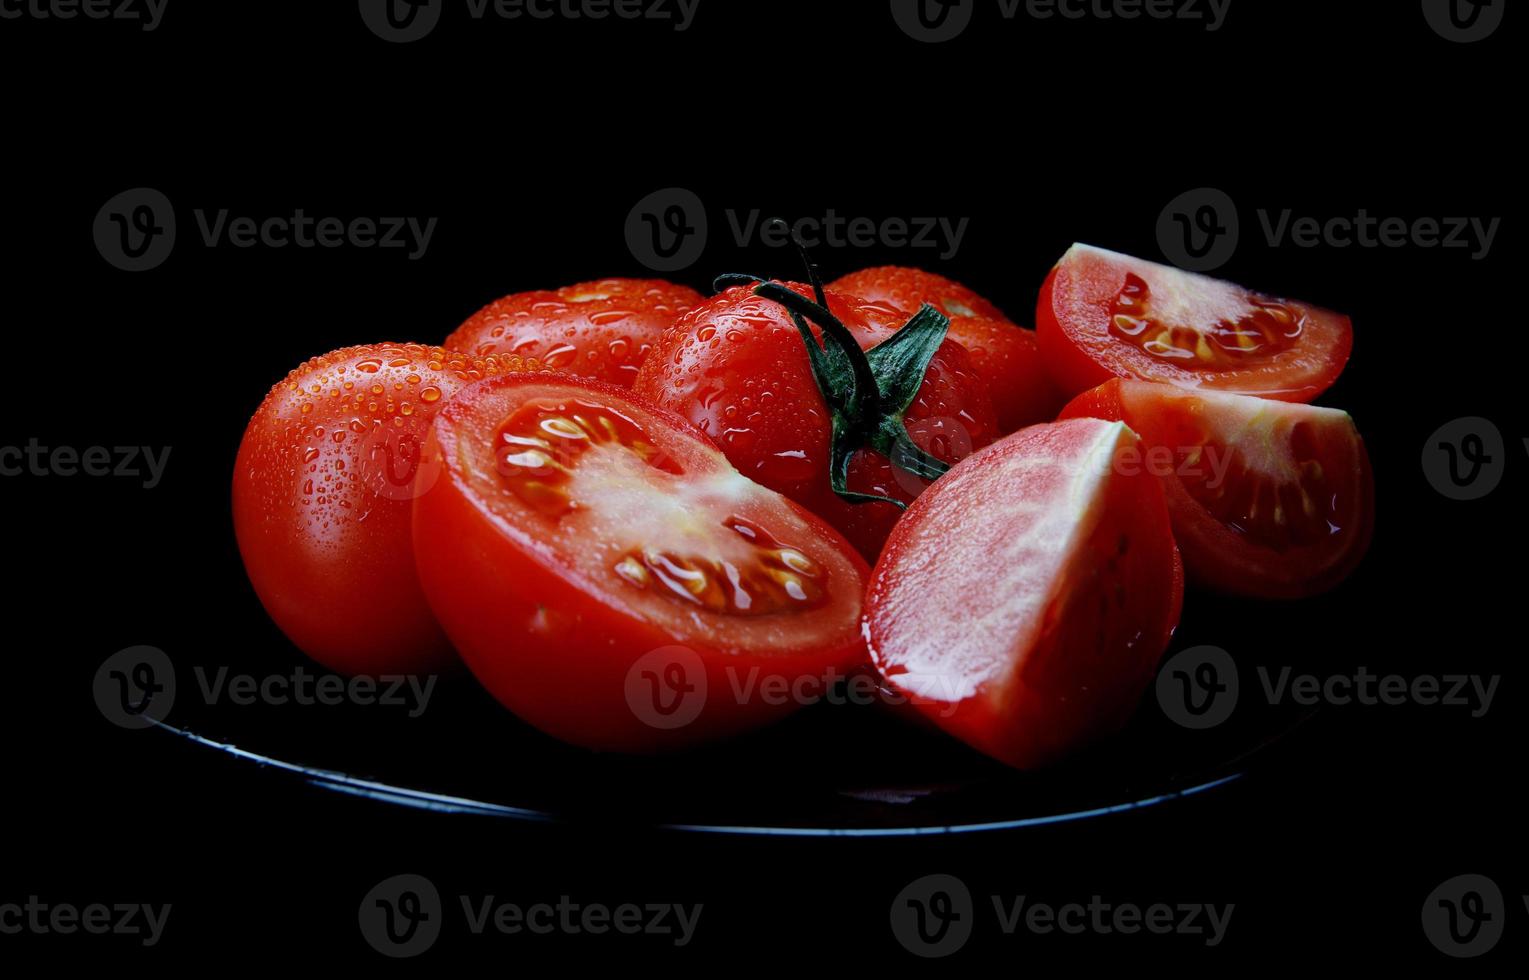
pixel 739 369
pixel 602 330
pixel 322 491
pixel 1006 355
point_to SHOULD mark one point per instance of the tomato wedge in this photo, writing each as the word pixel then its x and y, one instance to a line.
pixel 1269 499
pixel 1023 602
pixel 608 576
pixel 1104 315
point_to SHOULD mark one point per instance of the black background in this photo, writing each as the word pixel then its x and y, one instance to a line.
pixel 531 142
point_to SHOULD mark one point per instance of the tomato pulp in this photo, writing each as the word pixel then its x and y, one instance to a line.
pixel 613 580
pixel 1104 315
pixel 1024 601
pixel 1269 499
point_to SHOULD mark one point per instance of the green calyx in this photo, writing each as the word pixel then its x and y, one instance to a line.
pixel 867 392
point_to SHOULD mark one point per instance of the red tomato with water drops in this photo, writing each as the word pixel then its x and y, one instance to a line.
pixel 1269 499
pixel 737 367
pixel 322 492
pixel 1103 315
pixel 1024 601
pixel 1006 355
pixel 602 330
pixel 611 578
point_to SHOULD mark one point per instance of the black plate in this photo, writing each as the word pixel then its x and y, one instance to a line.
pixel 831 769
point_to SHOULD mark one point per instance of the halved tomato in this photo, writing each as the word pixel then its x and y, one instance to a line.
pixel 1103 315
pixel 607 575
pixel 1269 499
pixel 1024 600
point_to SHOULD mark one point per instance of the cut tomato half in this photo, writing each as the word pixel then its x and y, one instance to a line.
pixel 1269 499
pixel 1104 315
pixel 608 576
pixel 1024 601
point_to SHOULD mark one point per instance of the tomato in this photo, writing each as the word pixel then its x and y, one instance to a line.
pixel 602 330
pixel 321 499
pixel 1104 315
pixel 737 367
pixel 613 580
pixel 1007 356
pixel 1269 499
pixel 1024 601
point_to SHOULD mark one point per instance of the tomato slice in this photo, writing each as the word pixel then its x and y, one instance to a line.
pixel 1269 499
pixel 1104 315
pixel 587 545
pixel 1023 602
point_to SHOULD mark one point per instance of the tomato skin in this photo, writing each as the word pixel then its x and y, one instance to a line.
pixel 907 289
pixel 602 329
pixel 1218 557
pixel 323 525
pixel 1075 311
pixel 559 648
pixel 737 369
pixel 1065 604
pixel 1071 370
pixel 1006 355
